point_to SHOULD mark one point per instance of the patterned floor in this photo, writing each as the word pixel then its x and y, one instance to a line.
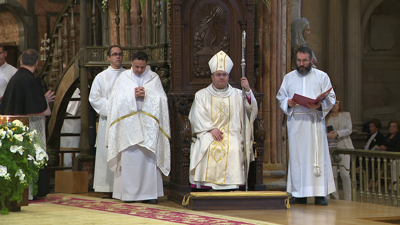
pixel 70 209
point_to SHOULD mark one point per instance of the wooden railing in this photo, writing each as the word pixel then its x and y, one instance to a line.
pixel 374 181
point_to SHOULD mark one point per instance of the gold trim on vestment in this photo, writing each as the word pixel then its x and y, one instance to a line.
pixel 218 151
pixel 123 117
pixel 221 62
pixel 155 118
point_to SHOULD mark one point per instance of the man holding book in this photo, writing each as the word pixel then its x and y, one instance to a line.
pixel 310 170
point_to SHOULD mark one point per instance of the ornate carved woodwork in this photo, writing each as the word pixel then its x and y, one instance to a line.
pixel 202 28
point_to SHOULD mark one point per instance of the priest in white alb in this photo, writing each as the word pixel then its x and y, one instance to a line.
pixel 138 134
pixel 99 98
pixel 310 170
pixel 6 71
pixel 216 117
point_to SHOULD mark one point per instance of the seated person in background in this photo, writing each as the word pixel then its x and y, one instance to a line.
pixel 392 143
pixel 375 138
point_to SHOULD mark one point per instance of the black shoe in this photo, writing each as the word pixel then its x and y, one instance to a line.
pixel 295 200
pixel 321 201
pixel 129 201
pixel 150 201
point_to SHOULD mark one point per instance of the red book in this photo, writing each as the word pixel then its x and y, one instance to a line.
pixel 303 100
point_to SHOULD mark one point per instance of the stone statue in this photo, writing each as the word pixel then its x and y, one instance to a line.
pixel 300 32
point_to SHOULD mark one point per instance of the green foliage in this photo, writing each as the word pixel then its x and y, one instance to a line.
pixel 21 157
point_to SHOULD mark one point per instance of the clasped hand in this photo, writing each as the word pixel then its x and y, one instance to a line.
pixel 217 134
pixel 139 92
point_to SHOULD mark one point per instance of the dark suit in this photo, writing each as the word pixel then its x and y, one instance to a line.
pixel 378 140
pixel 392 144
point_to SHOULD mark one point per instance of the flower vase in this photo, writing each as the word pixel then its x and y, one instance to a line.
pixel 14 206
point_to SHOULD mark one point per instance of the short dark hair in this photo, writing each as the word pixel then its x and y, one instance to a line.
pixel 30 57
pixel 112 46
pixel 396 122
pixel 2 46
pixel 139 55
pixel 305 50
pixel 376 122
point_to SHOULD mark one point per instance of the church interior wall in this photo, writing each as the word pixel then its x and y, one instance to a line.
pixel 380 63
pixel 380 53
pixel 9 32
pixel 38 18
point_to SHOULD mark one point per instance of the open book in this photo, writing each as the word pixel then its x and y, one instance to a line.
pixel 303 100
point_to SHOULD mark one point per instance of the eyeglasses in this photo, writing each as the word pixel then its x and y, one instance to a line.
pixel 221 74
pixel 115 54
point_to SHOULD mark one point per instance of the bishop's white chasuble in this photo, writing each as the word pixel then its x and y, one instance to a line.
pixel 220 164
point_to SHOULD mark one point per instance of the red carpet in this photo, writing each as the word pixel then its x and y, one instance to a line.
pixel 162 213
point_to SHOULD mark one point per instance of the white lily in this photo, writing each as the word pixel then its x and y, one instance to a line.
pixel 3 171
pixel 40 154
pixel 18 123
pixel 19 137
pixel 19 173
pixel 2 133
pixel 16 148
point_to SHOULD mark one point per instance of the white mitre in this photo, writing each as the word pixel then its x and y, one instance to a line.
pixel 220 61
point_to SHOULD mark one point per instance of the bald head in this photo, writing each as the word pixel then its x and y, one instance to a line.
pixel 30 57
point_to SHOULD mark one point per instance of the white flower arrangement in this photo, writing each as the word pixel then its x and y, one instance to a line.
pixel 21 157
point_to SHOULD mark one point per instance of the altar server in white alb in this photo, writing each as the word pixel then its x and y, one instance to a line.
pixel 138 134
pixel 6 71
pixel 216 116
pixel 310 170
pixel 99 98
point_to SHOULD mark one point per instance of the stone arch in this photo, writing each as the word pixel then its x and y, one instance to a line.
pixel 367 15
pixel 18 12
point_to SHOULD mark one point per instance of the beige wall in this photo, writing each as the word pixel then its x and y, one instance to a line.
pixel 380 71
pixel 381 63
pixel 9 32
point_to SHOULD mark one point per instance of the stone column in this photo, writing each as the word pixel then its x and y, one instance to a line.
pixel 335 57
pixel 353 76
pixel 274 38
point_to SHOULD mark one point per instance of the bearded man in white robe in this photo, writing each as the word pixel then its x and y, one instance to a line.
pixel 310 170
pixel 217 158
pixel 138 134
pixel 99 98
